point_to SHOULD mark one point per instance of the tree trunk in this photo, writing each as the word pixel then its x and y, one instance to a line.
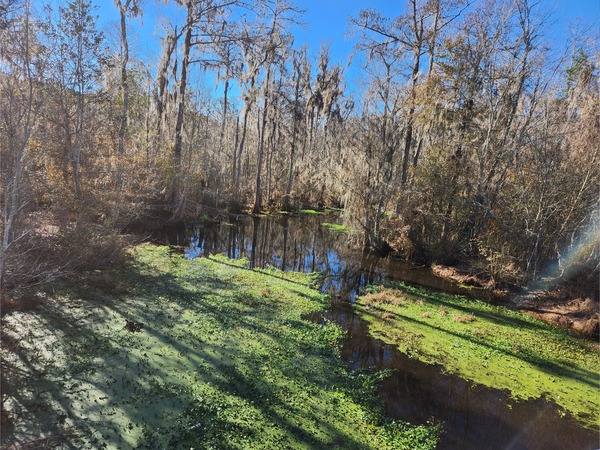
pixel 261 145
pixel 224 118
pixel 235 146
pixel 11 203
pixel 124 95
pixel 80 109
pixel 271 147
pixel 241 149
pixel 187 45
pixel 124 84
pixel 288 189
pixel 162 81
pixel 410 119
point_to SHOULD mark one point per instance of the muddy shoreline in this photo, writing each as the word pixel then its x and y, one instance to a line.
pixel 565 305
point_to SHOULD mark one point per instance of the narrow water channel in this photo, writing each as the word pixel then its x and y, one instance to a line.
pixel 474 416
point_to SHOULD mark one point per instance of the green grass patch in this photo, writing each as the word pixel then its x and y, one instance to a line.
pixel 335 227
pixel 222 359
pixel 310 212
pixel 490 345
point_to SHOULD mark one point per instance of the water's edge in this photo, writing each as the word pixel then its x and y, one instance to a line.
pixel 474 416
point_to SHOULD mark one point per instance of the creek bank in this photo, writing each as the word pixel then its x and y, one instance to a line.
pixel 580 314
pixel 170 352
pixel 564 305
pixel 488 345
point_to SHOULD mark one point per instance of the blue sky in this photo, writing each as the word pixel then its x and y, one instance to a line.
pixel 326 21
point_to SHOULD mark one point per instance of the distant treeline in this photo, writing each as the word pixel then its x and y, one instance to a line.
pixel 470 141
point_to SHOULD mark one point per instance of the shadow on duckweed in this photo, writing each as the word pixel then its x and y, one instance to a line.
pixel 80 378
pixel 474 416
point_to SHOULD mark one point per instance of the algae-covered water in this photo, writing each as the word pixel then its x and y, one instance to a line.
pixel 176 353
pixel 477 407
pixel 218 353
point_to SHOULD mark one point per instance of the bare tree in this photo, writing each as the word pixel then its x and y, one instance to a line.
pixel 280 13
pixel 205 27
pixel 253 63
pixel 300 67
pixel 414 33
pixel 126 8
pixel 20 104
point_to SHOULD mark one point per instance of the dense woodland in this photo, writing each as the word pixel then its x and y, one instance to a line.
pixel 471 139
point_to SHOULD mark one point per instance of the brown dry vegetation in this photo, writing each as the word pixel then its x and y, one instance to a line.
pixel 464 318
pixel 569 305
pixel 484 156
pixel 582 315
pixel 464 276
pixel 391 296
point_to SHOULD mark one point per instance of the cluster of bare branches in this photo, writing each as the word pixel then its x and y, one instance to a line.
pixel 469 140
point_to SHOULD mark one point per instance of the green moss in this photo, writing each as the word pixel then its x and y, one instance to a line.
pixel 489 345
pixel 223 360
pixel 309 211
pixel 335 227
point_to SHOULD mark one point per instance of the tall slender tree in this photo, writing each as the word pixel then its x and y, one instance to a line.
pixel 21 101
pixel 280 14
pixel 76 68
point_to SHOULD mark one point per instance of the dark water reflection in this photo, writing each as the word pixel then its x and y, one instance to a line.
pixel 474 417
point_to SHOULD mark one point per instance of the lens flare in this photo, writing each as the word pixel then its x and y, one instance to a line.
pixel 582 251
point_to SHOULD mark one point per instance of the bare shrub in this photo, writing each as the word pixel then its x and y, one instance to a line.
pixel 464 318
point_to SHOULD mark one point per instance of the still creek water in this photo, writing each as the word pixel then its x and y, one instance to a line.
pixel 474 416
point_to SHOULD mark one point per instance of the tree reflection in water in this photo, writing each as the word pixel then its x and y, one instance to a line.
pixel 474 416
